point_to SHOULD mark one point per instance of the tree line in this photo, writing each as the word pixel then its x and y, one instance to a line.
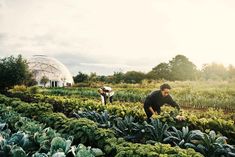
pixel 179 68
pixel 15 71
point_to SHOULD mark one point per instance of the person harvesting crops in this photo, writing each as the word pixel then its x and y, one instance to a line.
pixel 158 98
pixel 105 93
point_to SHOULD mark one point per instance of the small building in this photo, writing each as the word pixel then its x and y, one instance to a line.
pixel 56 72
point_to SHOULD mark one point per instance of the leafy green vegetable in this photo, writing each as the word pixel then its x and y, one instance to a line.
pixel 156 131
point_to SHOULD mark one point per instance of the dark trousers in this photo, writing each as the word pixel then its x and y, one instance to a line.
pixel 149 113
pixel 111 99
pixel 105 98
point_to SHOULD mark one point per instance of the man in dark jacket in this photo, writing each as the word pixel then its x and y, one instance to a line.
pixel 158 98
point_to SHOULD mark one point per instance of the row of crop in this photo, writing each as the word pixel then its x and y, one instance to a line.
pixel 212 111
pixel 69 105
pixel 157 131
pixel 120 95
pixel 191 97
pixel 87 132
pixel 218 98
pixel 23 137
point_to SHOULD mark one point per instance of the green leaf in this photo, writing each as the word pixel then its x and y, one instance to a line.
pixel 2 126
pixel 59 154
pixel 212 134
pixel 185 131
pixel 181 143
pixel 232 154
pixel 221 140
pixel 18 152
pixel 57 143
pixel 82 151
pixel 68 145
pixel 39 155
pixel 97 152
pixel 190 145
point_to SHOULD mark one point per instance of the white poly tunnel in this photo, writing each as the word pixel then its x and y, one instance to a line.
pixel 51 68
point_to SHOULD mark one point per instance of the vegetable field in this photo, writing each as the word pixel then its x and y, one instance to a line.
pixel 220 95
pixel 60 122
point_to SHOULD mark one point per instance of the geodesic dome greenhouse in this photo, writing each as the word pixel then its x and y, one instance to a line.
pixel 56 72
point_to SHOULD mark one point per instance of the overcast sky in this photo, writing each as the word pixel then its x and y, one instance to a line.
pixel 118 35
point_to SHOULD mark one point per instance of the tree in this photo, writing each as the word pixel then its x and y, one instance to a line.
pixel 13 71
pixel 182 69
pixel 92 77
pixel 30 81
pixel 118 77
pixel 44 80
pixel 133 77
pixel 102 78
pixel 214 71
pixel 231 71
pixel 80 77
pixel 161 71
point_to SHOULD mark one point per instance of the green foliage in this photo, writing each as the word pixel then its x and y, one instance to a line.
pixel 88 132
pixel 33 90
pixel 68 106
pixel 118 77
pixel 92 77
pixel 231 72
pixel 182 138
pixel 34 109
pixel 103 119
pixel 14 71
pixel 214 72
pixel 44 80
pixel 39 155
pixel 44 137
pixel 18 152
pixel 133 77
pixel 187 94
pixel 182 69
pixel 59 144
pixel 156 131
pixel 80 77
pixel 129 129
pixel 19 88
pixel 161 71
pixel 123 149
pixel 213 145
pixel 83 151
pixel 40 143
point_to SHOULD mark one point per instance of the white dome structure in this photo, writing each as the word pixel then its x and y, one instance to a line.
pixel 44 66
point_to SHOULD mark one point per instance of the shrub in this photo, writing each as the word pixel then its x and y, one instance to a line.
pixel 33 90
pixel 19 88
